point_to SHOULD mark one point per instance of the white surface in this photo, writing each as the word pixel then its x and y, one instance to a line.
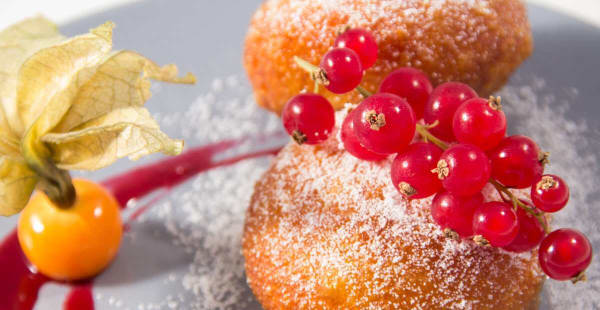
pixel 586 10
pixel 59 11
pixel 62 11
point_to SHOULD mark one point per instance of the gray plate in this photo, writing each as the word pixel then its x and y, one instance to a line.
pixel 159 268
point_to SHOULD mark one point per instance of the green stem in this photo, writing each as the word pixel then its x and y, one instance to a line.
pixel 305 65
pixel 316 74
pixel 365 93
pixel 55 182
pixel 319 76
pixel 517 203
pixel 424 132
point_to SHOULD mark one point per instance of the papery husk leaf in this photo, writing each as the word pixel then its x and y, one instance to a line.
pixel 17 43
pixel 71 104
pixel 126 132
pixel 9 143
pixel 17 182
pixel 120 81
pixel 48 80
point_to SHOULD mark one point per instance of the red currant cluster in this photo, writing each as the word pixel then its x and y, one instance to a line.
pixel 462 147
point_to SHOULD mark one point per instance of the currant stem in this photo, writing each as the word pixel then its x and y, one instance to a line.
pixel 365 93
pixel 519 204
pixel 424 132
pixel 305 65
pixel 316 73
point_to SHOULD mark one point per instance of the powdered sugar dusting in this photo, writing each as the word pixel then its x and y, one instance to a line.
pixel 345 222
pixel 205 217
pixel 450 40
pixel 539 112
pixel 306 14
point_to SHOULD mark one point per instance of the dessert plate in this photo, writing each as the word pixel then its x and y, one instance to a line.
pixel 184 251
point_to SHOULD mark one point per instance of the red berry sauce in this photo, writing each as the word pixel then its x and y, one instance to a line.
pixel 20 284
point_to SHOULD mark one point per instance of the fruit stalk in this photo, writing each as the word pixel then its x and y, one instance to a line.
pixel 365 93
pixel 518 203
pixel 318 75
pixel 56 183
pixel 428 136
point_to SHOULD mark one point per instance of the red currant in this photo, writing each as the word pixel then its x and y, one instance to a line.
pixel 362 42
pixel 550 193
pixel 480 122
pixel 516 162
pixel 384 123
pixel 351 143
pixel 464 169
pixel 530 233
pixel 411 84
pixel 343 70
pixel 564 254
pixel 497 222
pixel 411 170
pixel 455 212
pixel 308 118
pixel 442 104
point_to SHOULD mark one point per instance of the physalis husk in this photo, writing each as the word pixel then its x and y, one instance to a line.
pixel 72 102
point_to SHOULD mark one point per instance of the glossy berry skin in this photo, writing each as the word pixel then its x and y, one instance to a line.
pixel 343 70
pixel 464 169
pixel 351 143
pixel 394 133
pixel 442 105
pixel 308 118
pixel 550 193
pixel 516 162
pixel 530 234
pixel 362 42
pixel 455 212
pixel 411 84
pixel 74 243
pixel 411 170
pixel 564 253
pixel 478 123
pixel 497 222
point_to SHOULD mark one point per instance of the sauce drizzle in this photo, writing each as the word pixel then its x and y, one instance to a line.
pixel 20 283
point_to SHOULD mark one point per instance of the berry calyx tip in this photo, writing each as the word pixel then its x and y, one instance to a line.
pixel 495 103
pixel 580 277
pixel 406 189
pixel 480 240
pixel 546 183
pixel 442 169
pixel 299 137
pixel 451 234
pixel 376 120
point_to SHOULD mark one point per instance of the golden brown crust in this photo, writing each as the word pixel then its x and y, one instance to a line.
pixel 478 42
pixel 327 231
